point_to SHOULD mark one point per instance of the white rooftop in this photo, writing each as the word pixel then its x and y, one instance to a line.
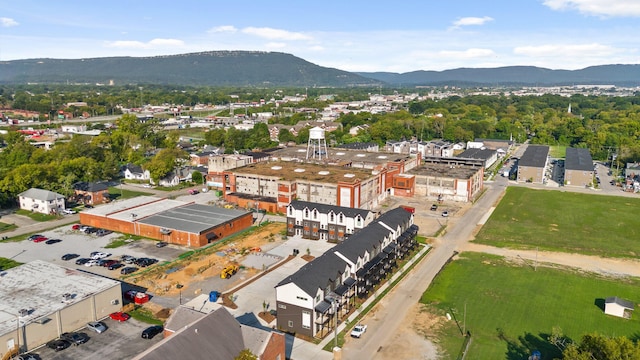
pixel 120 205
pixel 39 286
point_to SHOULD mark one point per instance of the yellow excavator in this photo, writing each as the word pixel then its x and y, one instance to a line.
pixel 228 271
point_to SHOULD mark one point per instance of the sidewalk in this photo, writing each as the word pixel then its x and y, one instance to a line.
pixel 28 226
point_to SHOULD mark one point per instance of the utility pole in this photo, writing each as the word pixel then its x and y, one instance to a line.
pixel 464 319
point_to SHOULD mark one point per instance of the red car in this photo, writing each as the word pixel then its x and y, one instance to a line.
pixel 75 227
pixel 40 239
pixel 119 316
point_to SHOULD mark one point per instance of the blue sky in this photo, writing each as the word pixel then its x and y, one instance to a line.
pixel 351 35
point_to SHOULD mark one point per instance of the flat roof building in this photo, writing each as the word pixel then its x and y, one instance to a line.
pixel 532 164
pixel 578 167
pixel 40 300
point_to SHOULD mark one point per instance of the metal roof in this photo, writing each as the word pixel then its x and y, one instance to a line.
pixel 193 218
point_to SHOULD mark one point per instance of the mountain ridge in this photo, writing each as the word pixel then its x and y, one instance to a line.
pixel 265 69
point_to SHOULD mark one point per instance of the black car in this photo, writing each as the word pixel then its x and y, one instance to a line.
pixel 66 257
pixel 88 206
pixel 161 244
pixel 103 232
pixel 152 331
pixel 58 345
pixel 144 262
pixel 52 241
pixel 75 338
pixel 82 261
pixel 128 270
pixel 115 266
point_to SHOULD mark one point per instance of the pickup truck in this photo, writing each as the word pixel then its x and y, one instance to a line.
pixel 358 330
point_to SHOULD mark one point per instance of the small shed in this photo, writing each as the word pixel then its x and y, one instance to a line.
pixel 618 307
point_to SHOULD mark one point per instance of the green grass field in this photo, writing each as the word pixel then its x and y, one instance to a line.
pixel 511 309
pixel 558 151
pixel 563 221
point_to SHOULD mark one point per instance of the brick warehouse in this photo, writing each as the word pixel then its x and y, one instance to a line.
pixel 173 221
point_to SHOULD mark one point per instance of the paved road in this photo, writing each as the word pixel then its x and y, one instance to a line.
pixel 392 311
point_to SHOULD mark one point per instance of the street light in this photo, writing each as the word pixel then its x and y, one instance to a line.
pixel 334 310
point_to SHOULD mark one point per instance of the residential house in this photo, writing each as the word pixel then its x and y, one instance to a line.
pixel 41 201
pixel 325 222
pixel 618 307
pixel 93 193
pixel 310 301
pixel 135 172
pixel 214 336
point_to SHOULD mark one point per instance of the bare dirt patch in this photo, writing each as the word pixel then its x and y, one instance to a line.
pixel 415 341
pixel 168 280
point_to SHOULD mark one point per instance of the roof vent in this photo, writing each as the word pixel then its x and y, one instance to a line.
pixel 323 172
pixel 66 297
pixel 299 170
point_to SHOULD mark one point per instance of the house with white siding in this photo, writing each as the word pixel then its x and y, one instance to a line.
pixel 41 201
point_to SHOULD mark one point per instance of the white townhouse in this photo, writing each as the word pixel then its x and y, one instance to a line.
pixel 41 201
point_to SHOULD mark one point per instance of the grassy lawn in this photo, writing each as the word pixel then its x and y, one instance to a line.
pixel 37 216
pixel 8 263
pixel 600 225
pixel 511 310
pixel 118 193
pixel 558 151
pixel 7 227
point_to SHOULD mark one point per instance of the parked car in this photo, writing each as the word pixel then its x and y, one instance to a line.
pixel 75 227
pixel 58 345
pixel 152 331
pixel 66 257
pixel 97 255
pixel 40 239
pixel 27 357
pixel 115 266
pixel 434 207
pixel 119 316
pixel 52 241
pixel 88 206
pixel 34 236
pixel 103 232
pixel 445 214
pixel 193 191
pixel 358 330
pixel 96 326
pixel 75 338
pixel 68 211
pixel 92 262
pixel 108 262
pixel 82 261
pixel 127 259
pixel 128 270
pixel 144 262
pixel 161 244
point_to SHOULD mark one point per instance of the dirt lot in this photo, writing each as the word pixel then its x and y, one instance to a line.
pixel 208 263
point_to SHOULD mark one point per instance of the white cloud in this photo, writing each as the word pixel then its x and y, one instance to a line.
pixel 275 34
pixel 7 22
pixel 555 50
pixel 466 54
pixel 155 43
pixel 316 48
pixel 223 29
pixel 468 21
pixel 606 8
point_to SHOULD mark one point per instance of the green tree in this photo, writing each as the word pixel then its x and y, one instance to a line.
pixel 246 354
pixel 601 347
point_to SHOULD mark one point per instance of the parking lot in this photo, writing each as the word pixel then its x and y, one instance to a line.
pixel 122 340
pixel 76 242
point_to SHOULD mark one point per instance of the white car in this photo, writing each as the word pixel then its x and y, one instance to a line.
pixel 92 262
pixel 358 330
pixel 97 255
pixel 68 211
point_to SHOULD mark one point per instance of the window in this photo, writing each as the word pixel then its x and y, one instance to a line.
pixel 306 213
pixel 290 323
pixel 331 217
pixel 341 218
pixel 315 214
pixel 282 306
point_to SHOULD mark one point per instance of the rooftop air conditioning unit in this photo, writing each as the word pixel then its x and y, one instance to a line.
pixel 66 297
pixel 23 312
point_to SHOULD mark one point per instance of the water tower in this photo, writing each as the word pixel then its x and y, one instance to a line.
pixel 317 145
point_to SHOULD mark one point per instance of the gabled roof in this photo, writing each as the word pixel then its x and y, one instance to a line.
pixel 325 209
pixel 616 300
pixel 134 169
pixel 216 336
pixel 578 159
pixel 324 269
pixel 90 187
pixel 41 194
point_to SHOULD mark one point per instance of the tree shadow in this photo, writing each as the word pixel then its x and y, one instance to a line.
pixel 522 347
pixel 599 303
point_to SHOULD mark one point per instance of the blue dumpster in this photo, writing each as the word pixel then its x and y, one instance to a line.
pixel 213 296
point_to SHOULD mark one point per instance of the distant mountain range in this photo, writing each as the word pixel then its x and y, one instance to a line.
pixel 271 69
